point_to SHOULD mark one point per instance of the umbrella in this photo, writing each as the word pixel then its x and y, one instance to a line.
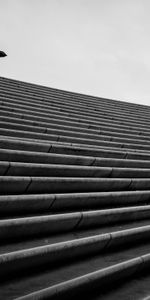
pixel 2 54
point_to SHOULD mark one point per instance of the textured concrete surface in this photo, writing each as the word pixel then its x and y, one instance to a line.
pixel 74 195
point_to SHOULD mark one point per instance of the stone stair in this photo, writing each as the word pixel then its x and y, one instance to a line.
pixel 74 195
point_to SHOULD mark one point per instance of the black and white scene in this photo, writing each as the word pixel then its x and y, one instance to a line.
pixel 74 149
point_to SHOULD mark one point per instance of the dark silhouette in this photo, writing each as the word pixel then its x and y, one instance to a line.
pixel 2 54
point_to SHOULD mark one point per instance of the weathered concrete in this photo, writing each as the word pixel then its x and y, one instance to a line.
pixel 105 277
pixel 62 252
pixel 30 226
pixel 74 192
pixel 40 203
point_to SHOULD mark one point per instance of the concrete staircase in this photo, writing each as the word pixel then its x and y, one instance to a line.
pixel 74 195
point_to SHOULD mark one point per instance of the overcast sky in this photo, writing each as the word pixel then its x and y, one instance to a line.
pixel 98 47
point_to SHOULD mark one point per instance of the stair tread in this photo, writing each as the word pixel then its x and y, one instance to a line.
pixel 74 193
pixel 30 283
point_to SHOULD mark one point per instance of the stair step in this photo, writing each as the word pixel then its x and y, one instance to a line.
pixel 18 185
pixel 46 239
pixel 105 142
pixel 74 249
pixel 53 158
pixel 74 194
pixel 57 148
pixel 38 225
pixel 57 120
pixel 70 116
pixel 43 127
pixel 57 93
pixel 99 278
pixel 89 114
pixel 53 170
pixel 10 92
pixel 79 278
pixel 47 203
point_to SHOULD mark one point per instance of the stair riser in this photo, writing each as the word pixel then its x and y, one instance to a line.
pixel 65 251
pixel 38 170
pixel 56 100
pixel 71 96
pixel 11 143
pixel 63 202
pixel 78 123
pixel 69 115
pixel 38 226
pixel 37 126
pixel 37 157
pixel 70 139
pixel 21 99
pixel 99 280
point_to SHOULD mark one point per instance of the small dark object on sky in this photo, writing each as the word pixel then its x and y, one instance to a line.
pixel 2 54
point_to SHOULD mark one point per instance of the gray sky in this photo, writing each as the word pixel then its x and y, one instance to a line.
pixel 98 47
